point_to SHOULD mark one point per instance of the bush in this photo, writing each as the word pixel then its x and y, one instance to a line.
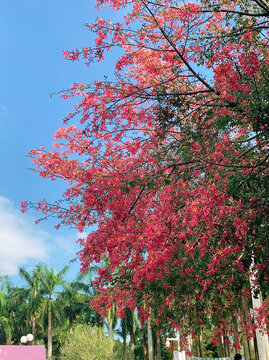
pixel 87 343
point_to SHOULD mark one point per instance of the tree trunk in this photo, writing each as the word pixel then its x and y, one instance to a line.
pixel 228 347
pixel 236 335
pixel 245 341
pixel 246 348
pixel 190 344
pixel 220 348
pixel 124 349
pixel 70 326
pixel 158 344
pixel 110 316
pixel 49 331
pixel 33 328
pixel 225 345
pixel 110 330
pixel 150 342
pixel 197 346
pixel 124 338
pixel 145 350
pixel 256 349
pixel 200 342
pixel 251 349
pixel 132 344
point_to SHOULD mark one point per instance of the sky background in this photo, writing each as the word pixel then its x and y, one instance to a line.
pixel 33 35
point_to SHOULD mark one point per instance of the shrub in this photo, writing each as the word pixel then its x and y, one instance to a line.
pixel 87 343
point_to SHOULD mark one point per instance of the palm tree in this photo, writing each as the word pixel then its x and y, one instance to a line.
pixel 5 320
pixel 34 296
pixel 123 333
pixel 17 309
pixel 50 279
pixel 130 327
pixel 74 303
pixel 89 315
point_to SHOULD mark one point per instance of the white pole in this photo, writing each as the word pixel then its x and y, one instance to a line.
pixel 262 338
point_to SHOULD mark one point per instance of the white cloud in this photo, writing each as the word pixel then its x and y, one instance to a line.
pixel 21 241
pixel 67 243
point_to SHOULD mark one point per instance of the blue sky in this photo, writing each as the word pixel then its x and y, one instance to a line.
pixel 33 34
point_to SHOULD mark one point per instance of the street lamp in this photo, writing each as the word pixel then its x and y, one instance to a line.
pixel 23 340
pixel 177 355
pixel 29 337
pixel 27 340
pixel 167 343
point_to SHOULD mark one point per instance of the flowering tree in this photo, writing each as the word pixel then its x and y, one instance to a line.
pixel 170 161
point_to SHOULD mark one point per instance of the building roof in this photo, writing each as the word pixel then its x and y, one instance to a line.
pixel 22 352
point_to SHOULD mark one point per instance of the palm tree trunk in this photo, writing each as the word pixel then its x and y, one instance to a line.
pixel 49 331
pixel 70 326
pixel 33 328
pixel 150 342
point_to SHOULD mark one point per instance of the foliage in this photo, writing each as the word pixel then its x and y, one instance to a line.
pixel 118 351
pixel 87 343
pixel 170 161
pixel 24 310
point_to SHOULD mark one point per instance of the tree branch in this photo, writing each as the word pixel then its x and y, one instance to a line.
pixel 203 81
